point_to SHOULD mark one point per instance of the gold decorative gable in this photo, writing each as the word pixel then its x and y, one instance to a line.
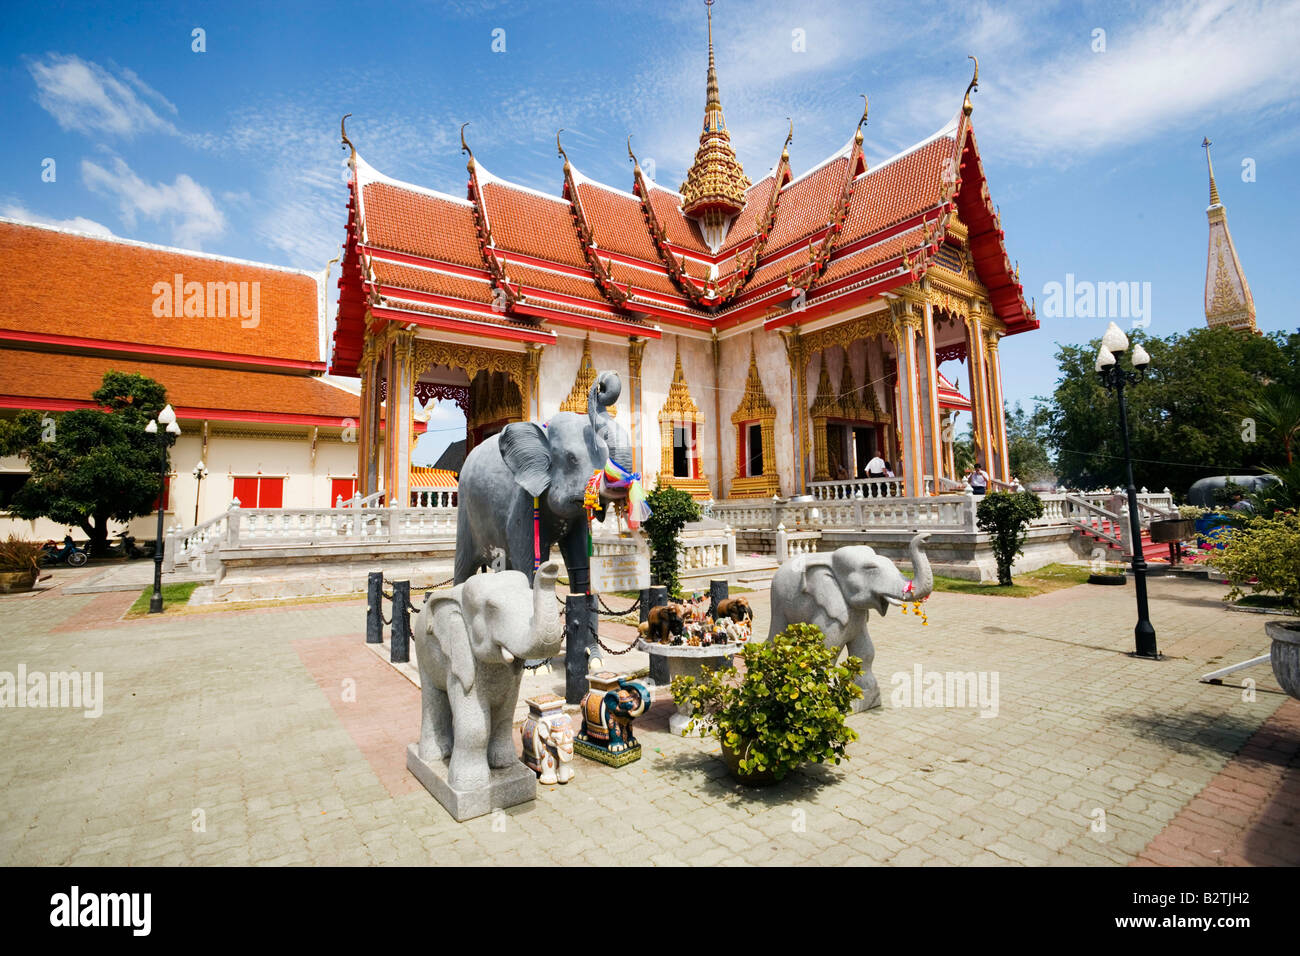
pixel 577 400
pixel 754 405
pixel 680 407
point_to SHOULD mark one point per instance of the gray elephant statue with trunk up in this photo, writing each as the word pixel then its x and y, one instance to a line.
pixel 471 642
pixel 835 592
pixel 526 463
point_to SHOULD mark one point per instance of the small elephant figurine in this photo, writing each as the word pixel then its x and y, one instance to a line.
pixel 736 608
pixel 662 623
pixel 608 709
pixel 836 591
pixel 471 642
pixel 547 735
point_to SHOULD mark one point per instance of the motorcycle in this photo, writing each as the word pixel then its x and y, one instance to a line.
pixel 70 555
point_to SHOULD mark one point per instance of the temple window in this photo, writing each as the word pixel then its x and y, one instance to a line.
pixel 754 419
pixel 679 422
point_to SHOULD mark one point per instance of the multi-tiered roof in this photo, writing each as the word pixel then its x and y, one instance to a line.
pixel 509 262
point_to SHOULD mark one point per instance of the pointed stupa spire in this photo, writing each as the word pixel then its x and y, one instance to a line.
pixel 1214 189
pixel 1227 294
pixel 714 190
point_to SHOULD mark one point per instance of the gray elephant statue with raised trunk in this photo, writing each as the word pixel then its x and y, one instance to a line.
pixel 550 465
pixel 471 642
pixel 835 592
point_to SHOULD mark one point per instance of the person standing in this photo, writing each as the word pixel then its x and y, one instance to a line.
pixel 979 479
pixel 876 468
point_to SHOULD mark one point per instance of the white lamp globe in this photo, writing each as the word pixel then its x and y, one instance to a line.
pixel 173 428
pixel 1104 359
pixel 1115 340
pixel 167 415
pixel 1140 357
pixel 152 427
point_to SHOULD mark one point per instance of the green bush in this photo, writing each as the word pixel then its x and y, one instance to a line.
pixel 1264 556
pixel 670 509
pixel 1005 515
pixel 789 707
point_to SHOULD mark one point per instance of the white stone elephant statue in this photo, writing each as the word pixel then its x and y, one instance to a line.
pixel 471 642
pixel 552 744
pixel 835 592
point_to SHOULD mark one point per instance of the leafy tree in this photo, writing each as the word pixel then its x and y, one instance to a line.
pixel 1264 556
pixel 1005 515
pixel 93 465
pixel 1027 443
pixel 1278 410
pixel 963 452
pixel 670 509
pixel 1187 418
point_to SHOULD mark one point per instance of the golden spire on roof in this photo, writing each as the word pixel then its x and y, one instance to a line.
pixel 714 190
pixel 1214 189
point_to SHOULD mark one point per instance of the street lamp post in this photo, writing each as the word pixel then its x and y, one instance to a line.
pixel 1113 345
pixel 166 418
pixel 200 472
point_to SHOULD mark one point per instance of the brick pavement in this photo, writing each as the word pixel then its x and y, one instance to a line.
pixel 225 739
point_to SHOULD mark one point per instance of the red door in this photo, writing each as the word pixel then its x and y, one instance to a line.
pixel 342 487
pixel 270 493
pixel 246 491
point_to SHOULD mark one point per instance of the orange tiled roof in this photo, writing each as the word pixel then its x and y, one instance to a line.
pixel 57 282
pixel 527 223
pixel 44 376
pixel 899 189
pixel 420 224
pixel 432 478
pixel 428 280
pixel 616 222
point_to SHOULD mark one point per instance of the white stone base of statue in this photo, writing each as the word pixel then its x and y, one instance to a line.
pixel 687 660
pixel 507 787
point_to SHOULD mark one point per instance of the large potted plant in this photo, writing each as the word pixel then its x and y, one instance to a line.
pixel 19 564
pixel 1264 556
pixel 786 709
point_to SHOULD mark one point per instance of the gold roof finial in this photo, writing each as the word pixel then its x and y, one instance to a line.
pixel 789 137
pixel 866 106
pixel 560 149
pixel 973 87
pixel 464 146
pixel 631 156
pixel 343 132
pixel 1214 189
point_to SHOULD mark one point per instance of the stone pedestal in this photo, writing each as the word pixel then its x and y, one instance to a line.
pixel 507 787
pixel 688 661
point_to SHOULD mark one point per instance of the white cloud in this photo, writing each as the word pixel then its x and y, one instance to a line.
pixel 86 97
pixel 1181 63
pixel 183 205
pixel 77 223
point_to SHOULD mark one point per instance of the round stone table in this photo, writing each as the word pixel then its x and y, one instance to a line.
pixel 685 660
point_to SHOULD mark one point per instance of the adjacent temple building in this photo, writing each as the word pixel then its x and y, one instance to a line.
pixel 769 335
pixel 1227 294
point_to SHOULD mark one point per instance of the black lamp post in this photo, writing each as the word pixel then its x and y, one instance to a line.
pixel 200 472
pixel 166 418
pixel 1113 345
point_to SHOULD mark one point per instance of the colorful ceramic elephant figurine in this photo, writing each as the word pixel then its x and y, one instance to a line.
pixel 608 709
pixel 547 735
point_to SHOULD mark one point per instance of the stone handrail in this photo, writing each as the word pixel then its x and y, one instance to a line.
pixel 194 544
pixel 1091 518
pixel 856 488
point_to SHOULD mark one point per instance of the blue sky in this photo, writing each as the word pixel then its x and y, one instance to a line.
pixel 1091 141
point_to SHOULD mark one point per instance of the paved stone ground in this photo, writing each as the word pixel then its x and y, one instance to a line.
pixel 275 736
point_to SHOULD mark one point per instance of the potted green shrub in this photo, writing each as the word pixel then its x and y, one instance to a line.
pixel 787 708
pixel 19 564
pixel 1264 556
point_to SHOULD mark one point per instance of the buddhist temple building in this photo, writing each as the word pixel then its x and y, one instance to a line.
pixel 239 347
pixel 771 334
pixel 1227 294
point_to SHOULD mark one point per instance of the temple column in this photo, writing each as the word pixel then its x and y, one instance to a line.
pixel 909 401
pixel 794 350
pixel 998 411
pixel 635 351
pixel 532 390
pixel 984 449
pixel 366 431
pixel 400 358
pixel 930 406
